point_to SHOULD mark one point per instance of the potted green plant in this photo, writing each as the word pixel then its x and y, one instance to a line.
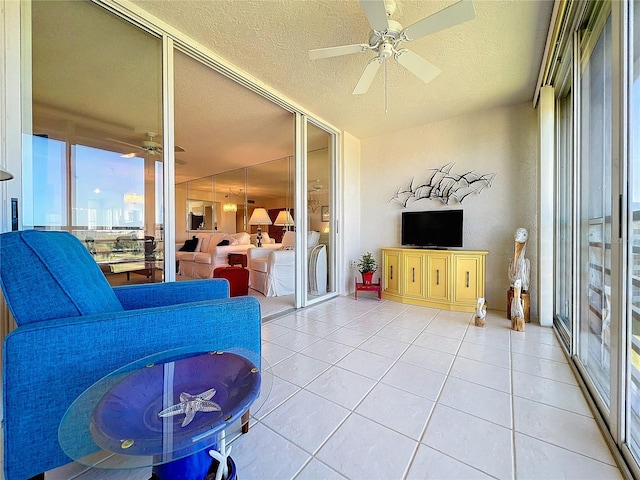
pixel 367 266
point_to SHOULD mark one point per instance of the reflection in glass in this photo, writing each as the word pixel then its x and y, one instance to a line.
pixel 564 217
pixel 91 169
pixel 595 216
pixel 50 184
pixel 633 251
pixel 319 207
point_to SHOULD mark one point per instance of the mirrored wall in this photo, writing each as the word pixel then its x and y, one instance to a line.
pixel 226 201
pixel 95 161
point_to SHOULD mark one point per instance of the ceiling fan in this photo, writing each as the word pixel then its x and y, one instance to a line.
pixel 150 146
pixel 387 36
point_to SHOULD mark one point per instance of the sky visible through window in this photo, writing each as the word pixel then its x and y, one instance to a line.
pixel 107 190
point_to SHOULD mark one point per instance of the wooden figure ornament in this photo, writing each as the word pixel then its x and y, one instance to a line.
pixel 481 312
pixel 517 310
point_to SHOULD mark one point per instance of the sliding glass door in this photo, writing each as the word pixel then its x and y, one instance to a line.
pixel 632 305
pixel 594 222
pixel 320 256
pixel 563 305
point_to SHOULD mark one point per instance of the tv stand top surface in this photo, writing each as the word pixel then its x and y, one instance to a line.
pixel 437 249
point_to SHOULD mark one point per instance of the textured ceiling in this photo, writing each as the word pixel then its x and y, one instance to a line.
pixel 97 96
pixel 490 61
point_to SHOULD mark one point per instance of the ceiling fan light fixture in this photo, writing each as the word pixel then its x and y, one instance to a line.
pixel 387 36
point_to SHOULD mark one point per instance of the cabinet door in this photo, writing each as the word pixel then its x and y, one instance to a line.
pixel 391 264
pixel 413 267
pixel 438 277
pixel 467 269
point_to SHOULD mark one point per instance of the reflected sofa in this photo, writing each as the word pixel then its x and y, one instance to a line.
pixel 208 255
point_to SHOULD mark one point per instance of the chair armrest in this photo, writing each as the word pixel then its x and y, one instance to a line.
pixel 258 252
pixel 134 297
pixel 281 257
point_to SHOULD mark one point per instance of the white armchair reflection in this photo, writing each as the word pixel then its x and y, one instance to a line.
pixel 272 271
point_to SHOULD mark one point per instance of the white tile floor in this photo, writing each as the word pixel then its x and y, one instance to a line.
pixel 381 390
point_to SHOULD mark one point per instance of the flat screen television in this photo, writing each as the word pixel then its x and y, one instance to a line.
pixel 437 229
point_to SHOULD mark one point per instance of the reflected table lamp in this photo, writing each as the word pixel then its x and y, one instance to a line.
pixel 285 220
pixel 260 217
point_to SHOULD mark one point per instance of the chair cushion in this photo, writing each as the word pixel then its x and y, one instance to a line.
pixel 312 238
pixel 243 238
pixel 205 241
pixel 68 280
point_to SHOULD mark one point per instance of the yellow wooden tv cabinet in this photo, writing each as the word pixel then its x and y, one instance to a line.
pixel 446 279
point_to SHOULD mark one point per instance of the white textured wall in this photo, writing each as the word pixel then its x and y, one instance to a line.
pixel 501 141
pixel 546 175
pixel 350 223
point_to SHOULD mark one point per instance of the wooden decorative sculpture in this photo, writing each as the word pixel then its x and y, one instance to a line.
pixel 481 312
pixel 519 273
pixel 520 267
pixel 517 310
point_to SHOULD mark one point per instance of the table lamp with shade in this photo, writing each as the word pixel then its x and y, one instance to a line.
pixel 285 220
pixel 260 217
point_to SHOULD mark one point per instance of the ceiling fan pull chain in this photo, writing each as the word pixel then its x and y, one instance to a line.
pixel 385 86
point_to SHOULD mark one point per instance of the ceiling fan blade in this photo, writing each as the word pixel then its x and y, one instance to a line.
pixel 176 149
pixel 460 12
pixel 376 13
pixel 417 65
pixel 367 76
pixel 124 143
pixel 328 52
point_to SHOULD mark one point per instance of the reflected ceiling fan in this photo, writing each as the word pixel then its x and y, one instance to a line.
pixel 150 145
pixel 387 36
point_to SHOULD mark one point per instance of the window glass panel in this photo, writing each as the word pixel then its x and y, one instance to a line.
pixel 564 216
pixel 633 265
pixel 94 166
pixel 50 185
pixel 319 206
pixel 595 216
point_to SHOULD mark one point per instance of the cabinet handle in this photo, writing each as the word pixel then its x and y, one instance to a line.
pixel 413 274
pixel 467 279
pixel 391 272
pixel 437 277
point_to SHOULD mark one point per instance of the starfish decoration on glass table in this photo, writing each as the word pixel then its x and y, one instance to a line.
pixel 190 404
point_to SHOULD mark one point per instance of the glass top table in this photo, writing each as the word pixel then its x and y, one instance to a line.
pixel 163 408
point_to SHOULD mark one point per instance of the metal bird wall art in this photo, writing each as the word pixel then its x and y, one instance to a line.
pixel 444 185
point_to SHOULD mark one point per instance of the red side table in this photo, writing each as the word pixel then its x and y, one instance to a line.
pixel 374 287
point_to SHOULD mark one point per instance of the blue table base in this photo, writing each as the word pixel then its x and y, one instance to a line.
pixel 199 466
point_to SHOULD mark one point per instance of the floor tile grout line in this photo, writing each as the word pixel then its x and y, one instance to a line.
pixel 514 460
pixel 562 447
pixel 437 400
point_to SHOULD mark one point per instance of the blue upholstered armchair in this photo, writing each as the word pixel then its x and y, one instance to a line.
pixel 74 328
